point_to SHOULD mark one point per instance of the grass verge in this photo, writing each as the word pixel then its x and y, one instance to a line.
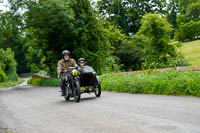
pixel 167 83
pixel 10 83
pixel 191 52
pixel 183 83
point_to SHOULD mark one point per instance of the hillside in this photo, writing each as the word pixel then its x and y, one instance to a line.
pixel 191 51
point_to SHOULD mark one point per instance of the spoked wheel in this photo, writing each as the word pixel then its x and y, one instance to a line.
pixel 77 95
pixel 98 90
pixel 67 97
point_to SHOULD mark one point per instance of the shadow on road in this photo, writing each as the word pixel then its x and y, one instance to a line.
pixel 71 101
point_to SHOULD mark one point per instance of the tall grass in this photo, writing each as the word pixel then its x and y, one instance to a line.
pixel 44 82
pixel 168 83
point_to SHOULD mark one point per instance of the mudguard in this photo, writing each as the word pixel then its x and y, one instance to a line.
pixel 98 80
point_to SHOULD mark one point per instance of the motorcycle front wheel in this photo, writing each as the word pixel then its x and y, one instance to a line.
pixel 77 95
pixel 68 94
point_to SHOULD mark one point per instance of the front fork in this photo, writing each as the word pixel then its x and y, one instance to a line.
pixel 70 88
pixel 73 85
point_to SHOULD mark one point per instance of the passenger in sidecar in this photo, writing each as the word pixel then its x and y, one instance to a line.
pixel 89 79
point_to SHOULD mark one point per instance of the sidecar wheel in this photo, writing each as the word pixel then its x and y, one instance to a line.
pixel 98 91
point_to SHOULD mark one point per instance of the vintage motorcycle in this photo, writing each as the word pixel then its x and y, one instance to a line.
pixel 72 83
pixel 85 77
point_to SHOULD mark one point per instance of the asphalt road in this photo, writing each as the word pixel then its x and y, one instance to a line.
pixel 30 109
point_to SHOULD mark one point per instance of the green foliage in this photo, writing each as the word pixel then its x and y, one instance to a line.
pixel 130 55
pixel 34 54
pixel 115 35
pixel 193 11
pixel 49 29
pixel 172 15
pixel 177 61
pixel 55 25
pixel 44 82
pixel 3 76
pixel 11 36
pixel 93 41
pixel 188 31
pixel 127 14
pixel 183 5
pixel 150 47
pixel 46 27
pixel 168 83
pixel 8 63
pixel 10 83
pixel 188 20
pixel 112 64
pixel 158 49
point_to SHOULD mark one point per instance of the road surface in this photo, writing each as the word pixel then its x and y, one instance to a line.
pixel 30 109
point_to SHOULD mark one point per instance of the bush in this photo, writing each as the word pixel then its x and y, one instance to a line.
pixel 188 31
pixel 177 61
pixel 8 63
pixel 3 76
pixel 168 83
pixel 12 76
pixel 130 55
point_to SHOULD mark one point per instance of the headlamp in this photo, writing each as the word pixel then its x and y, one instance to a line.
pixel 74 72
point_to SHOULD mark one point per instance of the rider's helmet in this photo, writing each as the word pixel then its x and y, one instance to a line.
pixel 65 52
pixel 81 59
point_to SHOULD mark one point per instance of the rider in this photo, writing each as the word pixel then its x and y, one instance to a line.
pixel 83 65
pixel 64 64
pixel 82 62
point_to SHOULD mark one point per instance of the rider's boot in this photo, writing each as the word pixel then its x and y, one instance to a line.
pixel 63 91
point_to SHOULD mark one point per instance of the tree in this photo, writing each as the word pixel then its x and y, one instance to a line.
pixel 11 36
pixel 156 30
pixel 127 14
pixel 49 29
pixel 193 11
pixel 188 20
pixel 172 15
pixel 55 25
pixel 183 5
pixel 188 31
pixel 8 64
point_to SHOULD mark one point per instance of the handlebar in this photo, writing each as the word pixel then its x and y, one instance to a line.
pixel 69 69
pixel 73 67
